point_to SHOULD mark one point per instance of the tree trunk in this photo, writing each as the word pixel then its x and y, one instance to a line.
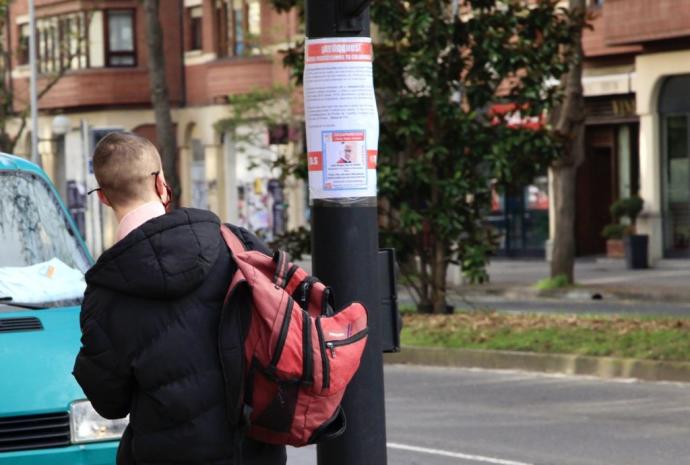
pixel 425 304
pixel 439 268
pixel 563 254
pixel 570 119
pixel 165 131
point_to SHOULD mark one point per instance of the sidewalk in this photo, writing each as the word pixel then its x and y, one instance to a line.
pixel 668 281
pixel 596 278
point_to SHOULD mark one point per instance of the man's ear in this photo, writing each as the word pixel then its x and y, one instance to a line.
pixel 104 200
pixel 160 187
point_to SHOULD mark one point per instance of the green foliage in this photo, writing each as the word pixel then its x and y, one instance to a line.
pixel 635 206
pixel 617 210
pixel 629 207
pixel 440 68
pixel 438 76
pixel 614 231
pixel 549 284
pixel 282 6
pixel 627 337
pixel 264 108
pixel 256 105
pixel 296 243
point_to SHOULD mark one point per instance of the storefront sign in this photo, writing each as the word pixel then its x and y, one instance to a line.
pixel 609 110
pixel 609 84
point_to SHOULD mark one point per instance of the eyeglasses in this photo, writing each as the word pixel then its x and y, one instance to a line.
pixel 155 174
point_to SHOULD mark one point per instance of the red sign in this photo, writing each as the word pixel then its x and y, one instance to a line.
pixel 339 52
pixel 348 136
pixel 314 161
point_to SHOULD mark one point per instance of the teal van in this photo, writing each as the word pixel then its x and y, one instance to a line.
pixel 45 418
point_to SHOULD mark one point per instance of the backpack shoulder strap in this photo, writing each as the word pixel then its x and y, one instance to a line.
pixel 233 242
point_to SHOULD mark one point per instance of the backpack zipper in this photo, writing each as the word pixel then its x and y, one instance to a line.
pixel 324 358
pixel 283 333
pixel 331 345
pixel 307 351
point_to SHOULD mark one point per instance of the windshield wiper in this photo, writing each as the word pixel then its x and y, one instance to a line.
pixel 7 300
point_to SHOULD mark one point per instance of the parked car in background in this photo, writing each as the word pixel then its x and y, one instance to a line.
pixel 44 415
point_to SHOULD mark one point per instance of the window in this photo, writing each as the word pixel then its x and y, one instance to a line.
pixel 81 40
pixel 240 27
pixel 120 38
pixel 34 228
pixel 60 43
pixel 23 52
pixel 195 16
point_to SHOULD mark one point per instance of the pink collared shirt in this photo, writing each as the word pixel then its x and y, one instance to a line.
pixel 139 216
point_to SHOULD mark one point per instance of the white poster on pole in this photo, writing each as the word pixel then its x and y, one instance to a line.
pixel 341 118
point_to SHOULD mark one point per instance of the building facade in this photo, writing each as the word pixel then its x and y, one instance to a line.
pixel 93 59
pixel 610 170
pixel 637 88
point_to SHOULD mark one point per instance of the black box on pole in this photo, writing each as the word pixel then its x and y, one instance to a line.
pixel 391 322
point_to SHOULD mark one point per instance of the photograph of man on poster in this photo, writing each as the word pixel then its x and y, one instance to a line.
pixel 348 153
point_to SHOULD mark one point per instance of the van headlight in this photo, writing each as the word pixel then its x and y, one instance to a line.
pixel 86 425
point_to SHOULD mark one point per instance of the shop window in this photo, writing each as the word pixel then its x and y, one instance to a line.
pixel 520 218
pixel 198 171
pixel 120 38
pixel 195 18
pixel 239 27
pixel 674 109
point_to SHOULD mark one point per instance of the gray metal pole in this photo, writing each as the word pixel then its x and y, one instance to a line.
pixel 33 95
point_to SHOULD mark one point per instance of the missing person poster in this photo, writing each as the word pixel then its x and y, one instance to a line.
pixel 341 118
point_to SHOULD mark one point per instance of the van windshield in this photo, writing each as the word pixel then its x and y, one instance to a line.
pixel 41 260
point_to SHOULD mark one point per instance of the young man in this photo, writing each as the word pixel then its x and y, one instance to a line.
pixel 150 320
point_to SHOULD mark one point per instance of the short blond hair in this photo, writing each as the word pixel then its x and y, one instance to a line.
pixel 123 164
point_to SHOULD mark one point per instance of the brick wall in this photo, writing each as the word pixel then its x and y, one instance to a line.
pixel 639 21
pixel 211 82
pixel 594 39
pixel 95 87
pixel 198 84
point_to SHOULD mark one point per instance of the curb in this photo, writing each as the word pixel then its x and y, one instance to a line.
pixel 603 367
pixel 578 294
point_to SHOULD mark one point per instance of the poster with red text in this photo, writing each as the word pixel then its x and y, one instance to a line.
pixel 341 118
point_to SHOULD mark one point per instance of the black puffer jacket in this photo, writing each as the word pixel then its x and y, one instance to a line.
pixel 150 343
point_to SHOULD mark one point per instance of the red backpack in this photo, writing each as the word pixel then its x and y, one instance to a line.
pixel 297 354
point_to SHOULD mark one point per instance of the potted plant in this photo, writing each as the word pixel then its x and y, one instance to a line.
pixel 614 234
pixel 635 245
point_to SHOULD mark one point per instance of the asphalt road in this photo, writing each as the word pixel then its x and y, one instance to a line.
pixel 442 416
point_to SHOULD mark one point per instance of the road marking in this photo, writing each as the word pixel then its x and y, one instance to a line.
pixel 456 455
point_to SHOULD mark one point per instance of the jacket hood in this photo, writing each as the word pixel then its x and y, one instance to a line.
pixel 165 258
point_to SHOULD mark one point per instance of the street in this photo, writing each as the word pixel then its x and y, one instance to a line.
pixel 443 416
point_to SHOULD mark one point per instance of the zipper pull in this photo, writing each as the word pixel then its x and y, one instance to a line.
pixel 331 346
